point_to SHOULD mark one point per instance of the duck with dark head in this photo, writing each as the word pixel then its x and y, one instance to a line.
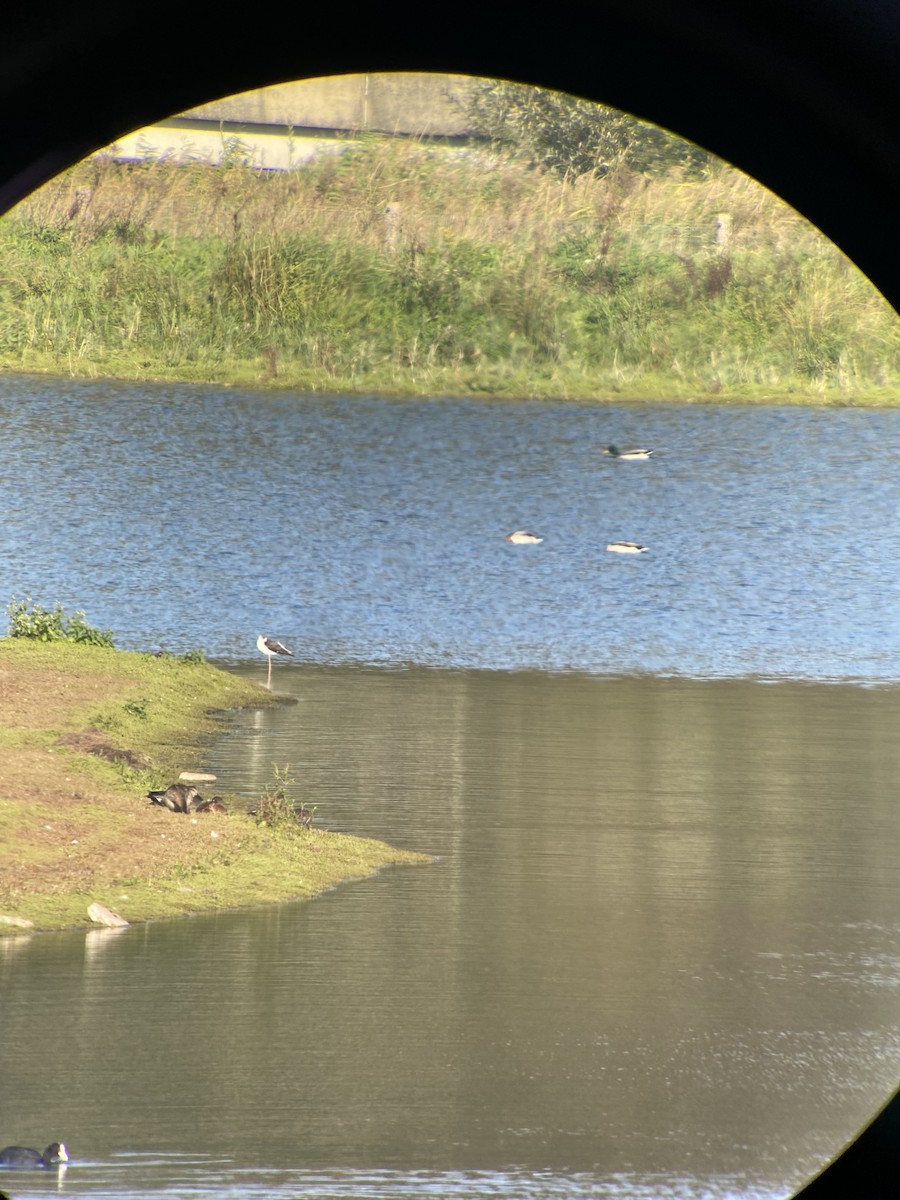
pixel 177 797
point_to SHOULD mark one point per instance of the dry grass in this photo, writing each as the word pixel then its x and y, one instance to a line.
pixel 474 196
pixel 407 269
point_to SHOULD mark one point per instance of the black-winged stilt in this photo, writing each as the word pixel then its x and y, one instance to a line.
pixel 270 647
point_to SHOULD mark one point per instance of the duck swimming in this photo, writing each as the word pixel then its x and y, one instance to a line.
pixel 22 1157
pixel 626 547
pixel 522 537
pixel 633 455
pixel 177 797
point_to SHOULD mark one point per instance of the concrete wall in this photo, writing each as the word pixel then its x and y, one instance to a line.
pixel 282 126
pixel 409 103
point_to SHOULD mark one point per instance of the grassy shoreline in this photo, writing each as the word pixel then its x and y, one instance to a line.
pixel 85 731
pixel 450 385
pixel 396 268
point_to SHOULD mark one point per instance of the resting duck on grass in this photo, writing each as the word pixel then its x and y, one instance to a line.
pixel 180 798
pixel 626 548
pixel 177 797
pixel 216 805
pixel 23 1158
pixel 633 455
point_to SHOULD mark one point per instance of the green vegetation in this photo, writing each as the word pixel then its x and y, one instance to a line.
pixel 275 807
pixel 398 267
pixel 85 732
pixel 28 620
pixel 573 137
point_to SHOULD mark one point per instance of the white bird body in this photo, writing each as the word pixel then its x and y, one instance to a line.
pixel 270 647
pixel 522 537
pixel 626 547
pixel 635 454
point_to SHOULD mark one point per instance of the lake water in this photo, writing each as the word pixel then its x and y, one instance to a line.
pixel 659 952
pixel 359 530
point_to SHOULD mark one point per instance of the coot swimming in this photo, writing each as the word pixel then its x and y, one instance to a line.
pixel 21 1156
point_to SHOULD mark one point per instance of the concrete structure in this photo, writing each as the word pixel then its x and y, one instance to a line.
pixel 283 126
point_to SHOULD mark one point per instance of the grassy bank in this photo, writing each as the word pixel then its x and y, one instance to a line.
pixel 85 731
pixel 395 267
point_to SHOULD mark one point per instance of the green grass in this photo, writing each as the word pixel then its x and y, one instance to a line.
pixel 159 704
pixel 262 869
pixel 77 828
pixel 397 268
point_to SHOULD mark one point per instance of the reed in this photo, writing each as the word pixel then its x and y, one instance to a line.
pixel 400 267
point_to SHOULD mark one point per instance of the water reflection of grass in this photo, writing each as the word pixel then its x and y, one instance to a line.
pixel 84 732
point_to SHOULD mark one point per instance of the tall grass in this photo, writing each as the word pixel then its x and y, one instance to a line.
pixel 395 266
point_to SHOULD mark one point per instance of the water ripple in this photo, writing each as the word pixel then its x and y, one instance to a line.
pixel 369 530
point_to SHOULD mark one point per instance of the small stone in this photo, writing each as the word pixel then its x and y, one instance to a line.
pixel 19 922
pixel 105 916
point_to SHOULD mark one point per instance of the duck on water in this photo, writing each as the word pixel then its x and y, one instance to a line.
pixel 24 1158
pixel 634 454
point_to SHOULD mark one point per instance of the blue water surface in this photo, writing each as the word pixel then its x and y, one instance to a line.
pixel 372 530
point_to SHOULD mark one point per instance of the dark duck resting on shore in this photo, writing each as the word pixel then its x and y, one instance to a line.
pixel 177 797
pixel 215 805
pixel 23 1157
pixel 182 798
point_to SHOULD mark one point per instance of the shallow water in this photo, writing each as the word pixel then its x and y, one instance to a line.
pixel 659 952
